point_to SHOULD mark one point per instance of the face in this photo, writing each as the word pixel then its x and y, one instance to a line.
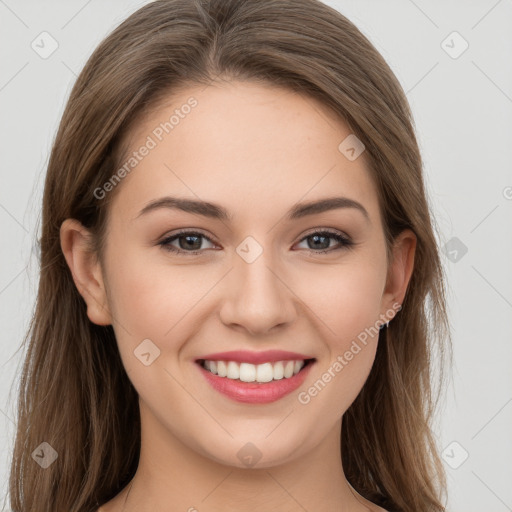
pixel 270 274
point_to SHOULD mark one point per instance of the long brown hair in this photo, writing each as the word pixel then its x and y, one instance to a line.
pixel 74 392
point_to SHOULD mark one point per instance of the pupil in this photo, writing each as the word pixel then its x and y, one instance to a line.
pixel 198 246
pixel 316 237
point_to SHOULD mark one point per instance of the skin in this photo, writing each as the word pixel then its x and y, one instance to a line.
pixel 256 150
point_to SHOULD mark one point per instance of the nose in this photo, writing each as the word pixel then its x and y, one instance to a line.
pixel 258 297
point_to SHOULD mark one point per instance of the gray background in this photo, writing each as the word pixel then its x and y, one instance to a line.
pixel 462 106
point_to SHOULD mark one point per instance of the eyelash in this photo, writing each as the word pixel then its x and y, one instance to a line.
pixel 346 243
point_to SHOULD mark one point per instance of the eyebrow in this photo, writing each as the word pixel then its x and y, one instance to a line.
pixel 215 211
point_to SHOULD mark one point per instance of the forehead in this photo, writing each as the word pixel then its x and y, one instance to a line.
pixel 244 144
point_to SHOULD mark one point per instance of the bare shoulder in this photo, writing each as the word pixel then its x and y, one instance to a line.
pixel 115 504
pixel 104 508
pixel 375 508
pixel 110 506
pixel 372 507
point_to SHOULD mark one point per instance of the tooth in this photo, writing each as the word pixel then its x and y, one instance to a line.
pixel 233 370
pixel 288 369
pixel 264 372
pixel 279 370
pixel 221 369
pixel 247 372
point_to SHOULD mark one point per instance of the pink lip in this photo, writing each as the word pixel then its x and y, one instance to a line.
pixel 255 392
pixel 246 356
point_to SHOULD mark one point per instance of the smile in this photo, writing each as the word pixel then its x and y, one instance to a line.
pixel 255 384
pixel 247 372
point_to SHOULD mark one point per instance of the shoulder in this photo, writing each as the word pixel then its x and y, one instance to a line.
pixel 371 506
pixel 376 508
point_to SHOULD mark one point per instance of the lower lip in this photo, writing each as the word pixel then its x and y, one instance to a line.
pixel 254 392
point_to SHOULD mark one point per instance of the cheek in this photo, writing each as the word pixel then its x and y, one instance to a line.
pixel 345 298
pixel 154 299
pixel 346 302
pixel 150 301
pixel 148 294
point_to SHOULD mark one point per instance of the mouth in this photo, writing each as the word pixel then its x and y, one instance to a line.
pixel 255 384
pixel 260 373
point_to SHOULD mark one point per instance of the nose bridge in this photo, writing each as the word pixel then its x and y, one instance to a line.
pixel 257 298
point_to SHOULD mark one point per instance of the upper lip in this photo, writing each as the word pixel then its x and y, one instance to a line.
pixel 246 356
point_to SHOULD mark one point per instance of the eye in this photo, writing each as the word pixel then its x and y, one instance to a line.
pixel 190 242
pixel 186 240
pixel 322 240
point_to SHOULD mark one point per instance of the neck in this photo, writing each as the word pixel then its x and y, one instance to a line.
pixel 170 472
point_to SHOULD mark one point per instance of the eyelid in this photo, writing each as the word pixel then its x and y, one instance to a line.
pixel 343 239
pixel 321 229
pixel 187 231
pixel 199 231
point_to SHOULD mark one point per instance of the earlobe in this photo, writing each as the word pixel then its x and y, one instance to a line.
pixel 400 269
pixel 85 269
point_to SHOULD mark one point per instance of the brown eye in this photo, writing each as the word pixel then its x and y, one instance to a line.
pixel 189 242
pixel 320 241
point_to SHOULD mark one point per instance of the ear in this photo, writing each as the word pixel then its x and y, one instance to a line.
pixel 75 241
pixel 399 269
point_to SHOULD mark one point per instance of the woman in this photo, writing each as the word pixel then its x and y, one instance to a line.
pixel 240 284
